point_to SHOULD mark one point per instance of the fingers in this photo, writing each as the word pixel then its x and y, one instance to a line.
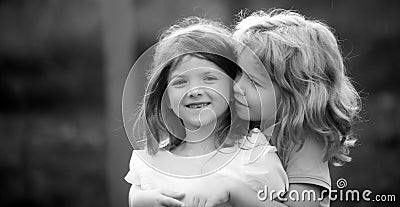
pixel 195 201
pixel 202 202
pixel 172 194
pixel 171 202
pixel 211 203
pixel 215 202
pixel 208 204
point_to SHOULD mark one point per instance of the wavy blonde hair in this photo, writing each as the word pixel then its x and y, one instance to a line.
pixel 192 36
pixel 303 58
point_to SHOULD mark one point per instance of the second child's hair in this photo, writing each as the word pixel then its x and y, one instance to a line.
pixel 196 37
pixel 303 58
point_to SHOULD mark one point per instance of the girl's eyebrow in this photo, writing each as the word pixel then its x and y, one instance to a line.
pixel 176 76
pixel 208 72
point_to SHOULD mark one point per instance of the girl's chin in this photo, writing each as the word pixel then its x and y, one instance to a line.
pixel 194 125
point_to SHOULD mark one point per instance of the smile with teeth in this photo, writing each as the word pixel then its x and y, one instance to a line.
pixel 197 105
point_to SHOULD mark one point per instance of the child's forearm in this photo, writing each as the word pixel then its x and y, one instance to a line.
pixel 301 188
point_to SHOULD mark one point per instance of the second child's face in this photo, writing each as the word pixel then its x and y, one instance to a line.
pixel 255 94
pixel 198 91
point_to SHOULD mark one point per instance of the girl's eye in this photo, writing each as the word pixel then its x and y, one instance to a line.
pixel 210 78
pixel 178 82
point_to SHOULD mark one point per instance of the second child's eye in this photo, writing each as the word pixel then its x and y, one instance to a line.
pixel 256 83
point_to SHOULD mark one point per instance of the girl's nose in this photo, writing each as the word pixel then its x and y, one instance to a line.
pixel 197 92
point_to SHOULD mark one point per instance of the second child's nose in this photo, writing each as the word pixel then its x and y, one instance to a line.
pixel 238 87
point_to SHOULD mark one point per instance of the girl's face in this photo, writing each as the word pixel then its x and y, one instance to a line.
pixel 255 94
pixel 198 91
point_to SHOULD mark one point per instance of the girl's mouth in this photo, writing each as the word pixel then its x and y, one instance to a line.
pixel 197 105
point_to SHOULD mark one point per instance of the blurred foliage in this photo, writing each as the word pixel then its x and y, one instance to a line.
pixel 52 160
pixel 50 55
pixel 52 134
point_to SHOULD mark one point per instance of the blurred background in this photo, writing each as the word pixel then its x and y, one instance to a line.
pixel 62 69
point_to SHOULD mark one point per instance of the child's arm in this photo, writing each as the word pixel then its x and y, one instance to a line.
pixel 231 190
pixel 308 173
pixel 300 188
pixel 154 198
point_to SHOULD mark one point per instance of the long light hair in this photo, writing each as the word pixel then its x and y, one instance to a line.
pixel 303 58
pixel 193 36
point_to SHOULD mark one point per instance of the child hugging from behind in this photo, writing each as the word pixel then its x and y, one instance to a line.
pixel 317 104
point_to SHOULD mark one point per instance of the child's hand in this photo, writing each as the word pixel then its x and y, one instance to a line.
pixel 209 194
pixel 211 199
pixel 156 198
